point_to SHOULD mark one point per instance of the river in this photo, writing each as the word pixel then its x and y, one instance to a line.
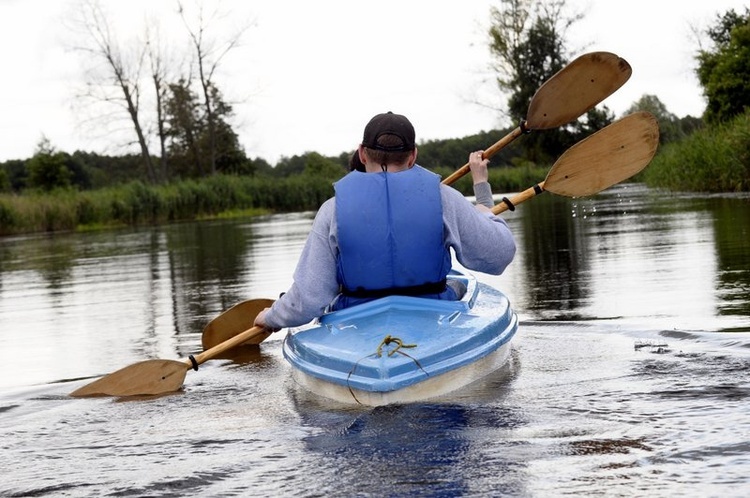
pixel 629 375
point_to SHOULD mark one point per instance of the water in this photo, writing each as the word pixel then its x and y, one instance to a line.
pixel 628 377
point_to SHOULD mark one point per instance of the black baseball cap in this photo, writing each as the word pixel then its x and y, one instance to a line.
pixel 389 123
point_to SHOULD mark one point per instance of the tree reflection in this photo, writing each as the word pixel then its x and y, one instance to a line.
pixel 732 233
pixel 555 258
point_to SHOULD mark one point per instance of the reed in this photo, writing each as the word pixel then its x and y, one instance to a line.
pixel 139 204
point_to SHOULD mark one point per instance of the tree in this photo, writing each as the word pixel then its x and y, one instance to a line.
pixel 113 75
pixel 209 54
pixel 317 165
pixel 47 169
pixel 527 40
pixel 183 120
pixel 17 174
pixel 724 70
pixel 190 143
pixel 159 73
pixel 5 185
pixel 288 166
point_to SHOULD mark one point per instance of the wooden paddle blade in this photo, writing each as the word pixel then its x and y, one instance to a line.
pixel 609 156
pixel 576 89
pixel 144 378
pixel 570 92
pixel 233 321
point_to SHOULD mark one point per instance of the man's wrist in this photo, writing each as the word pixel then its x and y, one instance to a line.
pixel 483 194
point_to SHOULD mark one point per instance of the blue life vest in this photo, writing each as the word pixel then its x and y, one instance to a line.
pixel 390 236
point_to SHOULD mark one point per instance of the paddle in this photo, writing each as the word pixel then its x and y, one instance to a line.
pixel 233 321
pixel 572 91
pixel 152 377
pixel 609 156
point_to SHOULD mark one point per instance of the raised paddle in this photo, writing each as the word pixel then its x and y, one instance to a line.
pixel 569 93
pixel 609 156
pixel 151 377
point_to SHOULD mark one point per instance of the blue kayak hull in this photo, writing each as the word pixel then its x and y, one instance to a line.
pixel 402 349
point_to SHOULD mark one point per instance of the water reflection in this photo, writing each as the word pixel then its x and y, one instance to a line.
pixel 428 449
pixel 636 255
pixel 206 263
pixel 556 253
pixel 732 233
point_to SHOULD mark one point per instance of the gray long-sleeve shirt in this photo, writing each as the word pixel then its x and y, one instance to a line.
pixel 481 241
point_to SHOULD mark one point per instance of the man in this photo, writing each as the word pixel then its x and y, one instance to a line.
pixel 389 230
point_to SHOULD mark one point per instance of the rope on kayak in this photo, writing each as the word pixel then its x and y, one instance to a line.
pixel 399 344
pixel 379 353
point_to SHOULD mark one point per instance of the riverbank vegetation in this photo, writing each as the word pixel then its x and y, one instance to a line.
pixel 137 203
pixel 713 159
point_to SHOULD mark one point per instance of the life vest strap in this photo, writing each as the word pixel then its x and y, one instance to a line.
pixel 412 290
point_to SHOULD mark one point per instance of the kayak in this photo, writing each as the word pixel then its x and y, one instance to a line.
pixel 402 349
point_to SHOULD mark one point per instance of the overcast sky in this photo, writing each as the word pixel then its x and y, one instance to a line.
pixel 311 73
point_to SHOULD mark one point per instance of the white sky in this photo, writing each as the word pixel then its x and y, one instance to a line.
pixel 311 73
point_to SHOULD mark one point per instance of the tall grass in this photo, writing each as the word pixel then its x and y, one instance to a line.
pixel 139 204
pixel 715 159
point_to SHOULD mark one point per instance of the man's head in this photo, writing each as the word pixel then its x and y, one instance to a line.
pixel 389 139
pixel 390 133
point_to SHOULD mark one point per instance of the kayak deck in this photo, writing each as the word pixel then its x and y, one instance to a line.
pixel 400 348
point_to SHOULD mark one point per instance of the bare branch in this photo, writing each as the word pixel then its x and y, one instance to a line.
pixel 111 78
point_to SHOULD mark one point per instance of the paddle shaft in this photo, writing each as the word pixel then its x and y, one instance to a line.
pixel 224 346
pixel 524 196
pixel 488 153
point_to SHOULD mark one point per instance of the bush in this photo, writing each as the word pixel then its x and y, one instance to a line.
pixel 715 159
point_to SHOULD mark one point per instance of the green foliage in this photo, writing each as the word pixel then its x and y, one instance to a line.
pixel 4 181
pixel 527 40
pixel 288 166
pixel 319 166
pixel 537 57
pixel 189 144
pixel 37 212
pixel 453 153
pixel 103 171
pixel 48 169
pixel 137 203
pixel 714 159
pixel 7 217
pixel 724 72
pixel 17 174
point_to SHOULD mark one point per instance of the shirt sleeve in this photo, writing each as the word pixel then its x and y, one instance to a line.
pixel 315 285
pixel 483 194
pixel 482 241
